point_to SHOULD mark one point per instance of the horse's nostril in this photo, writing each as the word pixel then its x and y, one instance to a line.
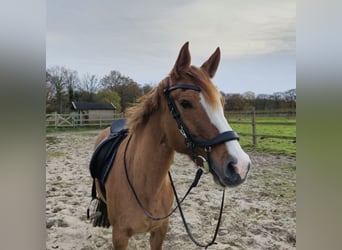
pixel 230 168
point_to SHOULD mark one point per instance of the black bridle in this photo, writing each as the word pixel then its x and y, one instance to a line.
pixel 190 141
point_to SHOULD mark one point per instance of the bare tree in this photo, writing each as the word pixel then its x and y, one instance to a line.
pixel 62 82
pixel 290 97
pixel 249 97
pixel 88 87
pixel 49 93
pixel 56 80
pixel 72 80
pixel 114 80
pixel 234 102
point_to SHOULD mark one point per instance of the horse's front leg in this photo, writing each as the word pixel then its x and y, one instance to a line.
pixel 158 235
pixel 120 240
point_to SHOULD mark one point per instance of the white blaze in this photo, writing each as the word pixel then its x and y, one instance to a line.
pixel 217 118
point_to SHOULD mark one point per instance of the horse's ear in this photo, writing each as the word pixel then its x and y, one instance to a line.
pixel 183 61
pixel 211 65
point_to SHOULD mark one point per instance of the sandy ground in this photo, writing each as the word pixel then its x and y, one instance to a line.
pixel 259 214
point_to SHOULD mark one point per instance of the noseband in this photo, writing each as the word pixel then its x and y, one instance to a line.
pixel 190 141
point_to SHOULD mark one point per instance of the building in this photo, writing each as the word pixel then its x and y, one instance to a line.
pixel 94 111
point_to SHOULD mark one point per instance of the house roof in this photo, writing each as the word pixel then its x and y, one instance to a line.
pixel 92 106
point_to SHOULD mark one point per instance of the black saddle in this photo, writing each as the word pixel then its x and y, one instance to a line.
pixel 104 155
pixel 117 126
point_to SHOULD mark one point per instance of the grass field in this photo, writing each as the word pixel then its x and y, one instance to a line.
pixel 269 145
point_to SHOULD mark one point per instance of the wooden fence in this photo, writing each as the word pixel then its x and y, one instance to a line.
pixel 81 120
pixel 78 120
pixel 253 122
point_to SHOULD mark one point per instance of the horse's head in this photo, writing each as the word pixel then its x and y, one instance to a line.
pixel 196 124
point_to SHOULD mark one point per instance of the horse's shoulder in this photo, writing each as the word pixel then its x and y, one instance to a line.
pixel 104 134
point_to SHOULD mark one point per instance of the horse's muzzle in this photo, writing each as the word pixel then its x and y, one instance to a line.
pixel 230 175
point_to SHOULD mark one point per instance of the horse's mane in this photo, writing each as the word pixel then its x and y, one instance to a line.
pixel 139 114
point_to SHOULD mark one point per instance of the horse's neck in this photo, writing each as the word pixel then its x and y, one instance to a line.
pixel 152 156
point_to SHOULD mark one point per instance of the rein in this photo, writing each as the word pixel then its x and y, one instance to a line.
pixel 146 212
pixel 212 242
pixel 178 201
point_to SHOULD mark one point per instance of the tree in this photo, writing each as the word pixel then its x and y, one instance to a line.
pixel 88 87
pixel 249 95
pixel 56 81
pixel 146 88
pixel 261 101
pixel 290 97
pixel 278 100
pixel 127 89
pixel 249 98
pixel 114 80
pixel 62 82
pixel 108 96
pixel 234 102
pixel 72 80
pixel 49 94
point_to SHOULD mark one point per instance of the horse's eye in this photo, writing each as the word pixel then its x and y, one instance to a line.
pixel 186 104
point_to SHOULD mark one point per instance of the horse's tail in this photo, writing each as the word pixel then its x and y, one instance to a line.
pixel 98 210
pixel 99 214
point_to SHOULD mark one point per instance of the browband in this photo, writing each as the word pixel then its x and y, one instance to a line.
pixel 182 86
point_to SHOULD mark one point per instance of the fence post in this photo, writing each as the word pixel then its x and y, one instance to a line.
pixel 56 119
pixel 73 119
pixel 253 126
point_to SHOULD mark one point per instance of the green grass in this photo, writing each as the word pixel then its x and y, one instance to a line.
pixel 269 145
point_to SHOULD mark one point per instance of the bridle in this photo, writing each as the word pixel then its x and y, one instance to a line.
pixel 191 143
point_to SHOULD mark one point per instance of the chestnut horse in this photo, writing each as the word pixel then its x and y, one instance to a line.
pixel 196 126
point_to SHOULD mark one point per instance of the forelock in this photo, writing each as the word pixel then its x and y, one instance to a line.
pixel 209 90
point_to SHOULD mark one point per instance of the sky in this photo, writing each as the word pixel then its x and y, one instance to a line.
pixel 142 39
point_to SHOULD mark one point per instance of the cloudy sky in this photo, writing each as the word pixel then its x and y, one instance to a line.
pixel 141 39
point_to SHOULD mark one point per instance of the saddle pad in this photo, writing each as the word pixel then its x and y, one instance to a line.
pixel 104 154
pixel 117 126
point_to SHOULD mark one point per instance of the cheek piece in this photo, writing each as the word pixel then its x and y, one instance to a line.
pixel 190 141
